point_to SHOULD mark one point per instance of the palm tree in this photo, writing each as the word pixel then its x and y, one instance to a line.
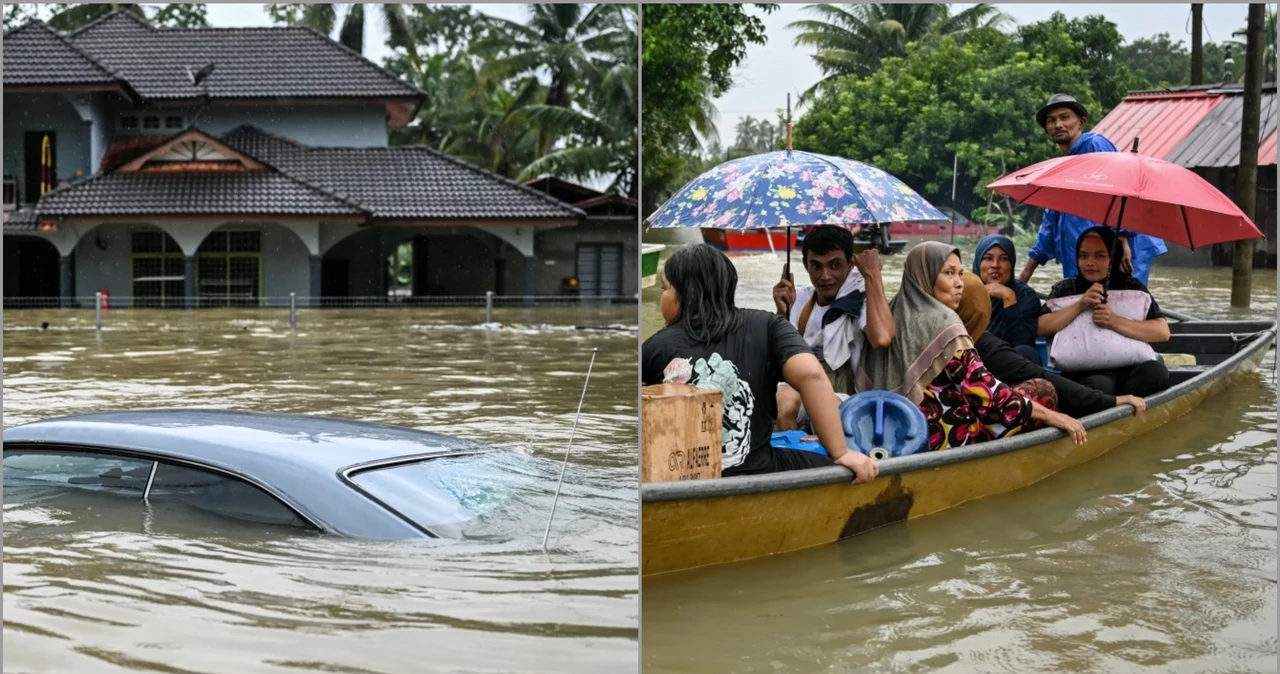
pixel 601 133
pixel 69 17
pixel 323 17
pixel 851 39
pixel 571 42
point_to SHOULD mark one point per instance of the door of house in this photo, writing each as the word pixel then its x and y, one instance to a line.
pixel 33 154
pixel 335 278
pixel 599 269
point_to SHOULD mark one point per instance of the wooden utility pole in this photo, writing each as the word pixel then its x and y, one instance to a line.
pixel 1197 43
pixel 1247 174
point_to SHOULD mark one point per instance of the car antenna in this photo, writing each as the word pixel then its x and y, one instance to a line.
pixel 565 464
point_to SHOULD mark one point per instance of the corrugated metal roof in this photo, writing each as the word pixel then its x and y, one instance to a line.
pixel 1160 121
pixel 1267 151
pixel 1215 141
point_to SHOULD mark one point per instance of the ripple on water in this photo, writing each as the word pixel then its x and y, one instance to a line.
pixel 126 600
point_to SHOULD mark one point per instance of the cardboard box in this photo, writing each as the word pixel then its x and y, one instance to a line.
pixel 680 433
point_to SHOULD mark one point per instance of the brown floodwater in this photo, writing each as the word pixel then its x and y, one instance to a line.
pixel 84 600
pixel 1160 556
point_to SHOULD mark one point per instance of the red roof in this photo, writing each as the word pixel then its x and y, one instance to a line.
pixel 1267 151
pixel 1160 121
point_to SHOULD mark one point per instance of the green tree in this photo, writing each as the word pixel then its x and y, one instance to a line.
pixel 323 16
pixel 570 42
pixel 68 17
pixel 852 39
pixel 688 54
pixel 601 136
pixel 1159 60
pixel 1092 44
pixel 497 116
pixel 976 100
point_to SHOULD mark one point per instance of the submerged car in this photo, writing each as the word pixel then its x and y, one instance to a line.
pixel 334 476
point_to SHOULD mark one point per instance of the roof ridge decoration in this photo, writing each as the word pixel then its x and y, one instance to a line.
pixel 499 177
pixel 112 17
pixel 190 135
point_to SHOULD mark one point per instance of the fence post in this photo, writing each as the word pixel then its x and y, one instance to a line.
pixel 488 306
pixel 293 311
pixel 97 309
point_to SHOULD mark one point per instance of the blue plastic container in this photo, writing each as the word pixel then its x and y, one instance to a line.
pixel 881 424
pixel 792 440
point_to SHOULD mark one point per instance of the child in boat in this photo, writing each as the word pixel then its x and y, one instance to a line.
pixel 843 309
pixel 1093 258
pixel 932 361
pixel 710 343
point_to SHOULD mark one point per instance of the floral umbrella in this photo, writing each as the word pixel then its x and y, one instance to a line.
pixel 791 188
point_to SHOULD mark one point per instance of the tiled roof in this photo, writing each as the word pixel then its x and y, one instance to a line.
pixel 21 221
pixel 36 54
pixel 192 193
pixel 403 182
pixel 250 62
pixel 376 182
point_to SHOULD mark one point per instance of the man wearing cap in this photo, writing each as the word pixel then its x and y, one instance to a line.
pixel 1063 119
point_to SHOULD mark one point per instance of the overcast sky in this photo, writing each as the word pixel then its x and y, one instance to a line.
pixel 770 72
pixel 375 37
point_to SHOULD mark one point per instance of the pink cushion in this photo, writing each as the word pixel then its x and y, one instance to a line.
pixel 1085 346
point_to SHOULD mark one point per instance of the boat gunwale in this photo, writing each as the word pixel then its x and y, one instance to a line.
pixel 813 477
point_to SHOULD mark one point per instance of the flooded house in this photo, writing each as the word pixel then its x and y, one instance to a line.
pixel 236 166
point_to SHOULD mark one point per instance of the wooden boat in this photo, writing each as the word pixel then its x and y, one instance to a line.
pixel 686 525
pixel 758 240
pixel 649 256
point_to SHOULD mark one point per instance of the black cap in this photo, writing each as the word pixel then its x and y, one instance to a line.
pixel 1060 101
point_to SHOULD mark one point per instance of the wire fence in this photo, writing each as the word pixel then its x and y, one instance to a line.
pixel 307 302
pixel 148 312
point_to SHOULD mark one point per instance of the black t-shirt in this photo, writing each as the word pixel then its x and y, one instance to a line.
pixel 746 365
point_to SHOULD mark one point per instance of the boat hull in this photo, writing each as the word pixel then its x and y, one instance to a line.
pixel 686 526
pixel 650 253
pixel 757 241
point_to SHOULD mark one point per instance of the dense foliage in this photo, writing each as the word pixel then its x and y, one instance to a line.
pixel 688 58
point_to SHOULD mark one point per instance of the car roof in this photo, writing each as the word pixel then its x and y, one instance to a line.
pixel 297 457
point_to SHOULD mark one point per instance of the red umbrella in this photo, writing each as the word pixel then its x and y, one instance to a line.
pixel 1151 196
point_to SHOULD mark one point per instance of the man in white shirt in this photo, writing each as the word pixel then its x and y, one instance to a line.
pixel 843 309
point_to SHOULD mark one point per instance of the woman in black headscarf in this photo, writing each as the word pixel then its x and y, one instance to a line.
pixel 1093 257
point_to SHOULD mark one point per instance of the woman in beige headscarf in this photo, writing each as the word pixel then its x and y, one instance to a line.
pixel 932 360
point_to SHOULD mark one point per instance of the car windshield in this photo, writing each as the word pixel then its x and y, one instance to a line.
pixel 490 495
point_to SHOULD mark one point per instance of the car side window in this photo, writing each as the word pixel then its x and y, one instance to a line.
pixel 57 471
pixel 38 473
pixel 221 495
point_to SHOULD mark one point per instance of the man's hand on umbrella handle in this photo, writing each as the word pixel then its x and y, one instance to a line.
pixel 784 292
pixel 1126 262
pixel 869 263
